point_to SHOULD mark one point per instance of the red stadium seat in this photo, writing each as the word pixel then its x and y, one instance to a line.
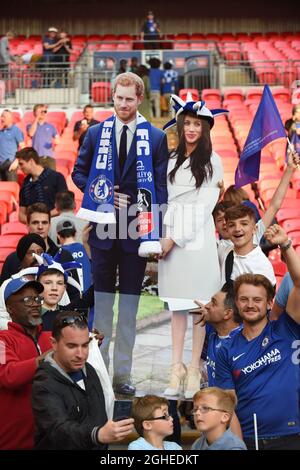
pixel 282 94
pixel 11 186
pixel 3 212
pixel 14 228
pixel 211 94
pixel 72 187
pixel 234 94
pixel 76 116
pixel 14 216
pixel 286 214
pixel 184 91
pixel 290 202
pixel 101 92
pixel 254 94
pixel 65 155
pixel 4 252
pixel 291 225
pixel 9 241
pixel 63 167
pixel 279 268
pixel 103 114
pixel 8 198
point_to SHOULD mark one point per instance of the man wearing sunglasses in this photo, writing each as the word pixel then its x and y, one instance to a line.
pixel 22 347
pixel 44 135
pixel 67 396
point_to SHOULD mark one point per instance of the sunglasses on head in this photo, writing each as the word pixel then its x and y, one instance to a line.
pixel 70 320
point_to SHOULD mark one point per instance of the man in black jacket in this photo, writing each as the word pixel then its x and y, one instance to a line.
pixel 67 397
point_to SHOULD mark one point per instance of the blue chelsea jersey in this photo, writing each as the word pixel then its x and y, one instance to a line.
pixel 215 343
pixel 265 375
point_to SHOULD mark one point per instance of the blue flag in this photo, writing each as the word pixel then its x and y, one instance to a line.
pixel 266 127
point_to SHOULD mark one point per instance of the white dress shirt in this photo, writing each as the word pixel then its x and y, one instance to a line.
pixel 130 132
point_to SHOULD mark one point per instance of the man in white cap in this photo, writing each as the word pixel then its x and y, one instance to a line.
pixel 50 41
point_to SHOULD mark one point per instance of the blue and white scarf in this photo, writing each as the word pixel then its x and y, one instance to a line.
pixel 98 200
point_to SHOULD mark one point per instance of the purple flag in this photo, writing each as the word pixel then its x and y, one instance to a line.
pixel 266 127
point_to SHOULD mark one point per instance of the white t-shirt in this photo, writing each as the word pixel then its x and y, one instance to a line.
pixel 254 262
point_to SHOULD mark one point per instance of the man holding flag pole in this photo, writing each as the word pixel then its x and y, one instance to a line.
pixel 266 127
pixel 122 168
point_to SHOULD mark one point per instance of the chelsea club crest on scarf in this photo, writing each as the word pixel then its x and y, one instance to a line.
pixel 101 190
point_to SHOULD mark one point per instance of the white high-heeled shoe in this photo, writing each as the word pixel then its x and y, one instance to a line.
pixel 192 382
pixel 177 377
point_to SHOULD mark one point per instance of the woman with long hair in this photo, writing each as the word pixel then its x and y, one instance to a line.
pixel 189 268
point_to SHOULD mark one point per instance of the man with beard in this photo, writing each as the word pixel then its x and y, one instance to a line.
pixel 22 347
pixel 261 363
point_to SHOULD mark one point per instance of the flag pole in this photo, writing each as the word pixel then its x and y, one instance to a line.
pixel 292 150
pixel 255 431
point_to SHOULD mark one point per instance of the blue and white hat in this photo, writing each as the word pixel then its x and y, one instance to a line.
pixel 196 107
pixel 17 284
pixel 45 262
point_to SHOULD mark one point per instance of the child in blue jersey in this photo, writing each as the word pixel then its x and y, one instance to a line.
pixel 213 410
pixel 261 362
pixel 153 423
pixel 66 233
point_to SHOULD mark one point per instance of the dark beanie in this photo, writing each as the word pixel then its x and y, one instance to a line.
pixel 26 241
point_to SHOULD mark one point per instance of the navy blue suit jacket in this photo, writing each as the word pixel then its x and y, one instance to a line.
pixel 128 181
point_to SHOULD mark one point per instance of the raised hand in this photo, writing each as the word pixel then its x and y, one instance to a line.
pixel 276 235
pixel 115 431
pixel 201 313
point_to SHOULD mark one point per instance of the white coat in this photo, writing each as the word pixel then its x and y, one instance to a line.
pixel 191 269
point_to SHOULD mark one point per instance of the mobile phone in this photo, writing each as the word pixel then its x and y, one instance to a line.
pixel 120 418
pixel 122 410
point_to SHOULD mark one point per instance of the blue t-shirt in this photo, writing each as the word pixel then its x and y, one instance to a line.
pixel 215 343
pixel 170 81
pixel 42 139
pixel 142 444
pixel 10 137
pixel 265 375
pixel 156 76
pixel 284 290
pixel 79 254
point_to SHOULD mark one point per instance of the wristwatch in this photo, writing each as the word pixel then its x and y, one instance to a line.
pixel 287 245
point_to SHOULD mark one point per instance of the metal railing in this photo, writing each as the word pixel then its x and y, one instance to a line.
pixel 260 72
pixel 64 84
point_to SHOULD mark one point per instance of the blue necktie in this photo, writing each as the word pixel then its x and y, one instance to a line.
pixel 123 148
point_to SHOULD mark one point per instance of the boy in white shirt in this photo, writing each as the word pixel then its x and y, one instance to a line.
pixel 246 256
pixel 245 234
pixel 268 216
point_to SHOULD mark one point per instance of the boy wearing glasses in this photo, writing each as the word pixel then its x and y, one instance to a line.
pixel 213 410
pixel 153 423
